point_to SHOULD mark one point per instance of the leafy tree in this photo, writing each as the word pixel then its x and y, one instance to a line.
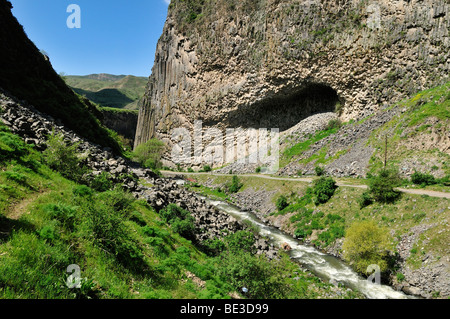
pixel 367 244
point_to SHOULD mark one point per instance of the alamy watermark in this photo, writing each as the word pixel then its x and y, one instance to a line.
pixel 74 279
pixel 375 277
pixel 74 19
pixel 214 147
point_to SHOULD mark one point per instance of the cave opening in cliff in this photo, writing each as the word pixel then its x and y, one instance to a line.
pixel 286 109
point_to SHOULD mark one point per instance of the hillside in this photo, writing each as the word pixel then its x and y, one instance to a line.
pixel 28 75
pixel 116 91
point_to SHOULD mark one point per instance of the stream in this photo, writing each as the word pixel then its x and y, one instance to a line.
pixel 326 267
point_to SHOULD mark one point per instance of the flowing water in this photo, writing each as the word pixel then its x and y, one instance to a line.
pixel 322 265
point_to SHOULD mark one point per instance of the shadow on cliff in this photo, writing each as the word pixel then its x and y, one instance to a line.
pixel 286 109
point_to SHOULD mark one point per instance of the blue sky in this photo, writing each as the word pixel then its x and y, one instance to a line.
pixel 116 36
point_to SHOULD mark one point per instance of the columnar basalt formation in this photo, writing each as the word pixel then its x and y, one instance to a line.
pixel 271 63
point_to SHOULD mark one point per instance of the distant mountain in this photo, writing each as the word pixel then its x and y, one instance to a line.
pixel 117 91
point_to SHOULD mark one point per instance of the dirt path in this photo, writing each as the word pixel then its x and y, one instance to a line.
pixel 20 208
pixel 310 180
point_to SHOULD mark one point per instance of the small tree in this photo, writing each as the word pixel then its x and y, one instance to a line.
pixel 367 244
pixel 149 154
pixel 324 189
pixel 381 187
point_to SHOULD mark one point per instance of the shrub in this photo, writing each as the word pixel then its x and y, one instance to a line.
pixel 382 186
pixel 367 244
pixel 319 171
pixel 264 279
pixel 64 158
pixel 258 170
pixel 235 185
pixel 102 182
pixel 181 220
pixel 104 222
pixel 324 189
pixel 207 168
pixel 423 179
pixel 281 203
pixel 400 277
pixel 333 124
pixel 241 241
pixel 82 191
pixel 149 154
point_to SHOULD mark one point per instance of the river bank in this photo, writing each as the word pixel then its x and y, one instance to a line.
pixel 418 225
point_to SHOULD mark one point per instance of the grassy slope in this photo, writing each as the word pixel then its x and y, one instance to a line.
pixel 122 246
pixel 418 132
pixel 118 92
pixel 425 118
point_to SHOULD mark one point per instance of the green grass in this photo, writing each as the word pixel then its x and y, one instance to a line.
pixel 302 147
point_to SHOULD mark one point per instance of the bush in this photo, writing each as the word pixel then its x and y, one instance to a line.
pixel 149 154
pixel 64 158
pixel 235 185
pixel 367 244
pixel 180 220
pixel 423 179
pixel 83 191
pixel 207 168
pixel 241 241
pixel 333 124
pixel 324 189
pixel 258 170
pixel 105 223
pixel 102 182
pixel 381 187
pixel 281 203
pixel 319 171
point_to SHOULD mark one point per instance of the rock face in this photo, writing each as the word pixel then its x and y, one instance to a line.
pixel 271 63
pixel 123 122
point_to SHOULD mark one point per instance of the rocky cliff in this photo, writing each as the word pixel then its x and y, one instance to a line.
pixel 28 75
pixel 271 63
pixel 122 121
